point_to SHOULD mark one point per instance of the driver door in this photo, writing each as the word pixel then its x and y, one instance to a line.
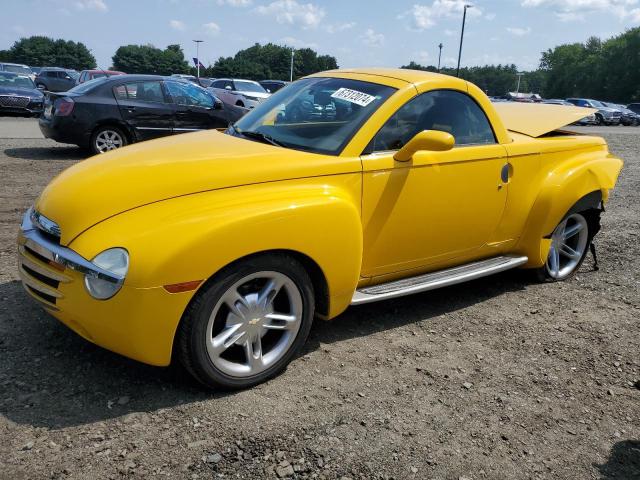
pixel 438 208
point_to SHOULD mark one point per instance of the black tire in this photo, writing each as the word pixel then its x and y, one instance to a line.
pixel 190 348
pixel 600 119
pixel 543 274
pixel 105 128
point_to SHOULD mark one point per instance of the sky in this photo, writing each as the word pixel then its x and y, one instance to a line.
pixel 358 33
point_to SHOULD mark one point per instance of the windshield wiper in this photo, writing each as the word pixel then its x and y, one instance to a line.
pixel 263 137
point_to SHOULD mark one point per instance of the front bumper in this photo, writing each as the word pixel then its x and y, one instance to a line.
pixel 139 323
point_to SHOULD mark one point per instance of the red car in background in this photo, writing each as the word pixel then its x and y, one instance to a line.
pixel 87 75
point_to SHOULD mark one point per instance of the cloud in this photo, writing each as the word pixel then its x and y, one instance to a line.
pixel 306 15
pixel 177 25
pixel 426 16
pixel 519 32
pixel 235 3
pixel 575 10
pixel 341 27
pixel 297 43
pixel 97 5
pixel 449 33
pixel 371 38
pixel 211 28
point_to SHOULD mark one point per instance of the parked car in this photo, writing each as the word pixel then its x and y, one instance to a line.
pixel 628 118
pixel 202 81
pixel 218 249
pixel 109 113
pixel 588 120
pixel 18 94
pixel 54 79
pixel 272 86
pixel 17 68
pixel 634 107
pixel 604 115
pixel 242 93
pixel 86 75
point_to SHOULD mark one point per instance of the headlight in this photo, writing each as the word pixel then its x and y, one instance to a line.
pixel 113 260
pixel 254 99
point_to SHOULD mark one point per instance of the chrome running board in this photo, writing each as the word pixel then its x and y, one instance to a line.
pixel 433 280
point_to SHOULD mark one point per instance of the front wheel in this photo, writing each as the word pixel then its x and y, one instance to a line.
pixel 569 246
pixel 247 323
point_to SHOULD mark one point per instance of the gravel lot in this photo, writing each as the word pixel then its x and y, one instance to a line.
pixel 499 378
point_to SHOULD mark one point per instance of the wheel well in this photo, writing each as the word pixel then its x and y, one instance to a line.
pixel 239 103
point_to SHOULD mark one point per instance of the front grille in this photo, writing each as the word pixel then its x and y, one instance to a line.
pixel 13 101
pixel 40 276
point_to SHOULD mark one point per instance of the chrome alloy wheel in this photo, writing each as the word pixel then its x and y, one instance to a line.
pixel 254 324
pixel 568 245
pixel 108 140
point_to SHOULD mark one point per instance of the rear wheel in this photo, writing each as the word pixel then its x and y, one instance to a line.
pixel 569 245
pixel 107 138
pixel 247 323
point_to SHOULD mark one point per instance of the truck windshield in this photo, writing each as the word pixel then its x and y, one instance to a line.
pixel 318 115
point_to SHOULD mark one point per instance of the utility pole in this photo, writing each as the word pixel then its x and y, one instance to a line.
pixel 198 42
pixel 464 19
pixel 439 56
pixel 291 74
pixel 519 74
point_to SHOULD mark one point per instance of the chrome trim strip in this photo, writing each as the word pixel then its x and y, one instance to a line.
pixel 153 128
pixel 187 129
pixel 434 280
pixel 36 284
pixel 26 259
pixel 34 240
pixel 44 223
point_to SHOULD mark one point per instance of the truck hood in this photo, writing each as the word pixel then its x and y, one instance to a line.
pixel 108 184
pixel 536 119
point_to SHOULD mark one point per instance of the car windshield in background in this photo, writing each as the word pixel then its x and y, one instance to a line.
pixel 597 104
pixel 86 86
pixel 73 74
pixel 17 69
pixel 248 87
pixel 18 81
pixel 317 115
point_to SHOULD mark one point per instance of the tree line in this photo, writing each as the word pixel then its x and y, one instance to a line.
pixel 604 69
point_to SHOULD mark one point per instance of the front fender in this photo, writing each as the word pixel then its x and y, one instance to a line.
pixel 192 237
pixel 586 178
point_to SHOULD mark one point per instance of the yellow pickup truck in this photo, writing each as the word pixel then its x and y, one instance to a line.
pixel 218 249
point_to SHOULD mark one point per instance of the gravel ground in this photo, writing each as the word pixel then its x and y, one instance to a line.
pixel 494 379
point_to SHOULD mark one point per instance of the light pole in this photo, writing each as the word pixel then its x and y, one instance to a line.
pixel 519 74
pixel 291 73
pixel 439 56
pixel 464 19
pixel 198 42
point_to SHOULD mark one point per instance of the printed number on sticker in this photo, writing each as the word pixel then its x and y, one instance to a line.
pixel 353 96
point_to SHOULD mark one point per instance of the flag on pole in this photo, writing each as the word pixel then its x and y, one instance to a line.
pixel 196 62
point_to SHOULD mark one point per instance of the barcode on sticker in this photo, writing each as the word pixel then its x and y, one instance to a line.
pixel 353 96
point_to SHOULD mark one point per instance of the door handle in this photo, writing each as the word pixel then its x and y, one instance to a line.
pixel 506 173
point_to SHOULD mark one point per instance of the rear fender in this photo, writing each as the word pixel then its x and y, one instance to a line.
pixel 574 185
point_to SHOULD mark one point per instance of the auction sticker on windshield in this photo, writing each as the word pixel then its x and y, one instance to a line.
pixel 353 96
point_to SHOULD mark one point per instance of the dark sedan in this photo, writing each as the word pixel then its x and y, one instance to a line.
pixel 109 113
pixel 18 94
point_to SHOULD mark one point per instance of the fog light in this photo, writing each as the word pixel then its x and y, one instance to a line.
pixel 114 260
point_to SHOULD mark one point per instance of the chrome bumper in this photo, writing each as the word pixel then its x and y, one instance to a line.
pixel 42 262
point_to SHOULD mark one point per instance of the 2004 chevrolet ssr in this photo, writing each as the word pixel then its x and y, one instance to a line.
pixel 345 187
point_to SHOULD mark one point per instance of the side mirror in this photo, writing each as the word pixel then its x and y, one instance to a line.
pixel 427 140
pixel 228 87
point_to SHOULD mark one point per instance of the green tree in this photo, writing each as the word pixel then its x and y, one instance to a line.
pixel 271 61
pixel 147 59
pixel 45 51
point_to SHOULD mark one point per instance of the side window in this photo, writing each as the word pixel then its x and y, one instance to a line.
pixel 444 110
pixel 140 92
pixel 52 74
pixel 218 84
pixel 189 94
